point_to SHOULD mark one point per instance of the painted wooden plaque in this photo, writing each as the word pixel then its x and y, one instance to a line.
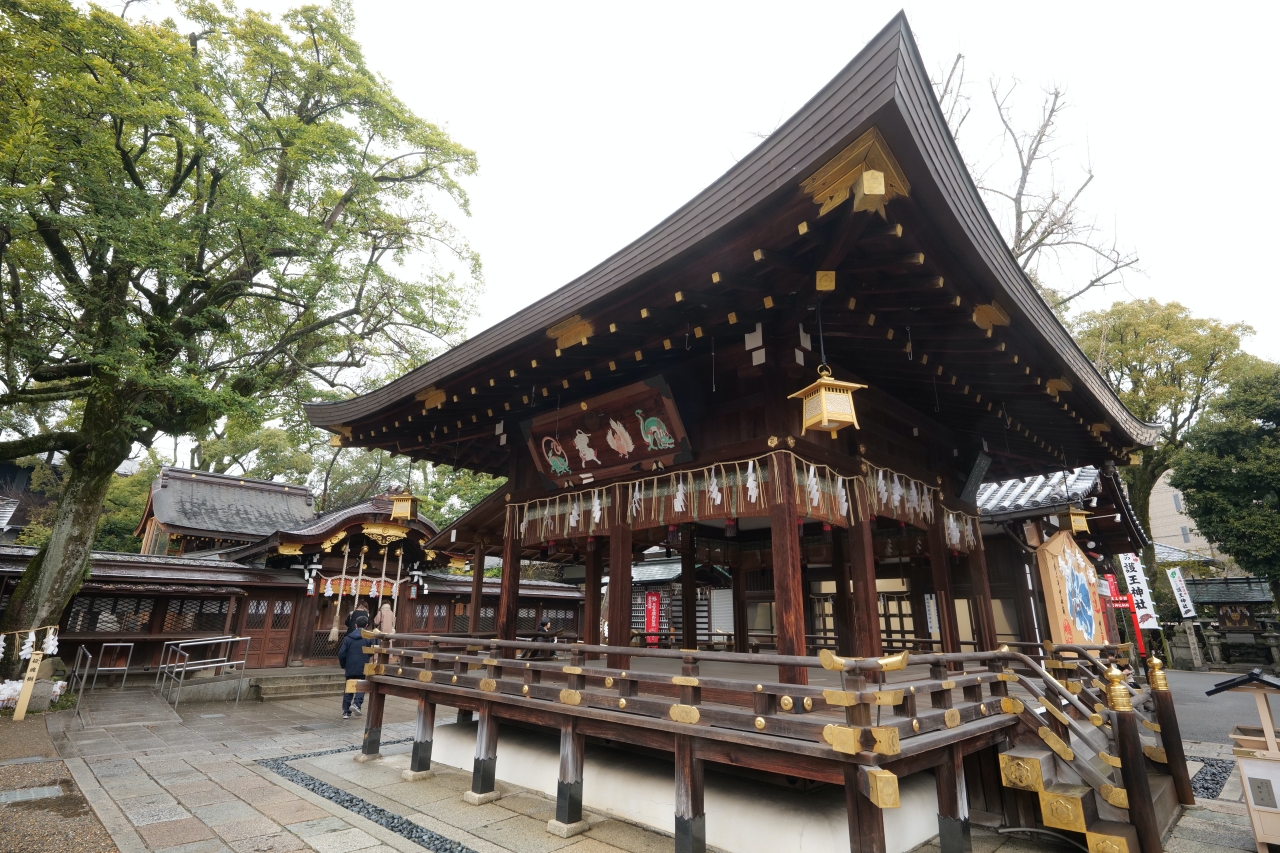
pixel 1070 585
pixel 636 428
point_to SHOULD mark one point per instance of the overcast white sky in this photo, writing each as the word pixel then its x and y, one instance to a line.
pixel 594 121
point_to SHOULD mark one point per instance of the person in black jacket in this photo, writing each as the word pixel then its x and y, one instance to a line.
pixel 352 657
pixel 360 609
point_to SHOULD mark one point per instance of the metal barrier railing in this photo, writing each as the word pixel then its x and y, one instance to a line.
pixel 176 673
pixel 79 677
pixel 111 670
pixel 168 649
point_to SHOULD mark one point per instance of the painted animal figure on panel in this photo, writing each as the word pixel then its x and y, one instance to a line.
pixel 654 432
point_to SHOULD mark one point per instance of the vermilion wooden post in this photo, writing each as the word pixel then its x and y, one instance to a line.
pixel 842 609
pixel 983 609
pixel 866 602
pixel 509 599
pixel 619 583
pixel 688 589
pixel 940 567
pixel 594 571
pixel 477 584
pixel 788 585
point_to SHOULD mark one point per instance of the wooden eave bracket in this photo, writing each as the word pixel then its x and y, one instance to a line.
pixel 573 330
pixel 431 398
pixel 866 170
pixel 987 316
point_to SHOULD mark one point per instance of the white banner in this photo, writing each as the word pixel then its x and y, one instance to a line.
pixel 1136 579
pixel 1180 592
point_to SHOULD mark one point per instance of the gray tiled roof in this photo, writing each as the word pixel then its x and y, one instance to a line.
pixel 1229 590
pixel 1038 492
pixel 235 506
pixel 1170 554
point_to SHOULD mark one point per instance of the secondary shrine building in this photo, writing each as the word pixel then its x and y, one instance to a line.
pixel 667 397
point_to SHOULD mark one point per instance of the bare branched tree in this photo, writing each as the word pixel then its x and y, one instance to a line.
pixel 1045 218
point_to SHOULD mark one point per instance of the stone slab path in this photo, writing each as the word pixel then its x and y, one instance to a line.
pixel 218 778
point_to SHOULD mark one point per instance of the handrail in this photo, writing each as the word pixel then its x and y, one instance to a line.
pixel 80 678
pixel 166 651
pixel 180 664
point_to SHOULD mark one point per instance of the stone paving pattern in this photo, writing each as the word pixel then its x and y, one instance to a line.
pixel 187 782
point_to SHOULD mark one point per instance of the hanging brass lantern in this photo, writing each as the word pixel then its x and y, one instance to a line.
pixel 828 403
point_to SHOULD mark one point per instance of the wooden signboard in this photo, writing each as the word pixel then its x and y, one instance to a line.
pixel 636 428
pixel 1070 592
pixel 1235 617
pixel 28 685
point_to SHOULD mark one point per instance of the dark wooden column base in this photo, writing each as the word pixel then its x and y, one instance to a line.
pixel 420 759
pixel 486 761
pixel 954 835
pixel 373 722
pixel 691 826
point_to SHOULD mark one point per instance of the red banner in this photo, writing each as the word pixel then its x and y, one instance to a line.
pixel 652 617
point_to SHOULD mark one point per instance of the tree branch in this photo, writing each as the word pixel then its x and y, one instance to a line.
pixel 46 442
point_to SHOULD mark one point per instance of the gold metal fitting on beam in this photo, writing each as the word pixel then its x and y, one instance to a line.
pixel 893 663
pixel 1155 674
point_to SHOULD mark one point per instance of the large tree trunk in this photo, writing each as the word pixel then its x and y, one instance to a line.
pixel 58 569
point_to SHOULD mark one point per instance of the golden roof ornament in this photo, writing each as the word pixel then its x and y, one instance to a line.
pixel 1118 691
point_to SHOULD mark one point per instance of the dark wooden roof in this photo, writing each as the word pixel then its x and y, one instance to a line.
pixel 225 506
pixel 1229 590
pixel 114 567
pixel 917 281
pixel 373 511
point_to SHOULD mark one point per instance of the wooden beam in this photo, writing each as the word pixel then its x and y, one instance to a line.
pixel 593 565
pixel 688 589
pixel 865 601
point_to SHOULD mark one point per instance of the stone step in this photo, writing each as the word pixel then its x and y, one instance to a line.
pixel 299 694
pixel 290 680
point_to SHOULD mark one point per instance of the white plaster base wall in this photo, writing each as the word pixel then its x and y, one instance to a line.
pixel 743 816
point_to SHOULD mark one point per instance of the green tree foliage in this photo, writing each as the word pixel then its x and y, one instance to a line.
pixel 122 508
pixel 1167 367
pixel 199 232
pixel 348 476
pixel 1229 473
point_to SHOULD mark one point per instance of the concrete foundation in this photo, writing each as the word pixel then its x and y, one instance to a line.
pixel 742 816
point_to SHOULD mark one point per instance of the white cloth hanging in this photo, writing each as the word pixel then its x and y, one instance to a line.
pixel 28 646
pixel 753 482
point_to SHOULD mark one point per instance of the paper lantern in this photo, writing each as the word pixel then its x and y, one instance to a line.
pixel 828 403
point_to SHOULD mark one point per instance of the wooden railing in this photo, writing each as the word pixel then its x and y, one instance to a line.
pixel 871 722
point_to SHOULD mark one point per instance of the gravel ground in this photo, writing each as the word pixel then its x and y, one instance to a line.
pixel 27 739
pixel 54 823
pixel 1208 782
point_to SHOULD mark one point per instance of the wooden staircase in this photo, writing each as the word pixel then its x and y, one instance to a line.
pixel 1097 768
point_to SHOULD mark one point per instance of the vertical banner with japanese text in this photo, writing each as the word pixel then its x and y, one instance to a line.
pixel 652 617
pixel 1136 579
pixel 1185 605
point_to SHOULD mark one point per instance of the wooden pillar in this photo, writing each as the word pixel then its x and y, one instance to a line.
pixel 788 585
pixel 619 585
pixel 691 828
pixel 1024 596
pixel 594 571
pixel 568 820
pixel 374 701
pixel 741 641
pixel 1133 771
pixel 688 589
pixel 953 804
pixel 866 821
pixel 865 601
pixel 477 584
pixel 423 732
pixel 980 603
pixel 486 760
pixel 1170 732
pixel 842 608
pixel 940 567
pixel 509 599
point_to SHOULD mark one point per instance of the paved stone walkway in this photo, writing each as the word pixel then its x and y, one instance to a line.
pixel 189 782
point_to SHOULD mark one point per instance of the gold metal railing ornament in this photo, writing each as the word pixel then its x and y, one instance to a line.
pixel 1118 691
pixel 1156 676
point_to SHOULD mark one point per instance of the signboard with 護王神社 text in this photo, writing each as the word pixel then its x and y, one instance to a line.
pixel 1136 580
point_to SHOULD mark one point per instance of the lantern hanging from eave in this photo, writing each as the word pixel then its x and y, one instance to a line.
pixel 1079 521
pixel 828 403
